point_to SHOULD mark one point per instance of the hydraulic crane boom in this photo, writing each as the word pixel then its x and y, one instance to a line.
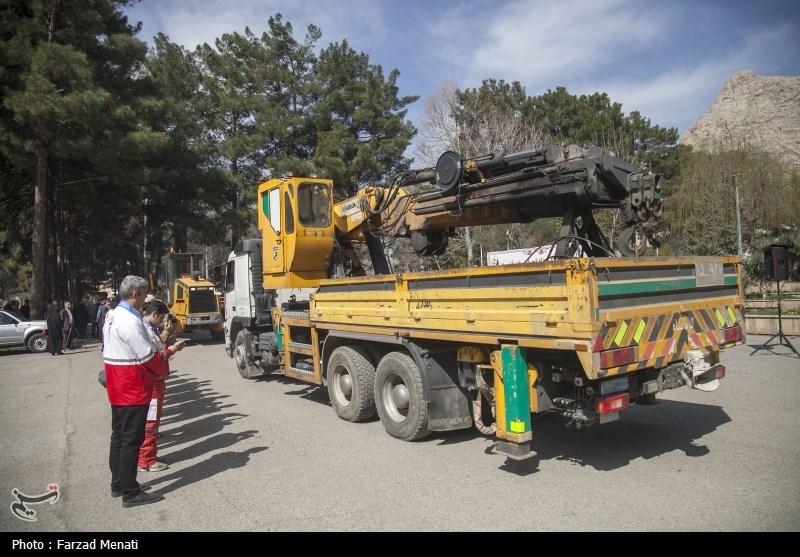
pixel 542 182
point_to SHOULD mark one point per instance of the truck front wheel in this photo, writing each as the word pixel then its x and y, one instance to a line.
pixel 246 368
pixel 399 397
pixel 351 384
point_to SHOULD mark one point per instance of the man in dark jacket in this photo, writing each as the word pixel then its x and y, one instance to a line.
pixel 67 321
pixel 25 309
pixel 81 315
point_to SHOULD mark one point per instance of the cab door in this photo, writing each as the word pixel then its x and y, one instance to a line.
pixel 239 288
pixel 274 256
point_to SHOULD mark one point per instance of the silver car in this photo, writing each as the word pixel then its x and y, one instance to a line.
pixel 15 330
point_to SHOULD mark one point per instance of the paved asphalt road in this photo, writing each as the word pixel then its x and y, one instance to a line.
pixel 270 455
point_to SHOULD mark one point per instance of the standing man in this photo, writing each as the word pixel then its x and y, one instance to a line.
pixel 132 367
pixel 102 311
pixel 66 321
pixel 81 316
pixel 25 309
pixel 93 317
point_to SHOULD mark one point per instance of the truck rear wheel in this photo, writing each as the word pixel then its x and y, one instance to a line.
pixel 399 397
pixel 351 384
pixel 246 368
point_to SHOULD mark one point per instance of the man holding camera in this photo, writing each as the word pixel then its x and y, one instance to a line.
pixel 155 313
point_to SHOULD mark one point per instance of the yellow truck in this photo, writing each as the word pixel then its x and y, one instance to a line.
pixel 487 347
pixel 192 299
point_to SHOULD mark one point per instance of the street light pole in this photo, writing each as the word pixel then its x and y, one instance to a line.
pixel 738 218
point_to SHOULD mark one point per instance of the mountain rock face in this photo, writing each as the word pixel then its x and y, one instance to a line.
pixel 762 112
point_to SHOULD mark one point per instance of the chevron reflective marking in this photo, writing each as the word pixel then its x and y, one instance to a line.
pixel 621 333
pixel 649 350
pixel 683 340
pixel 720 318
pixel 669 347
pixel 628 340
pixel 708 319
pixel 637 336
pixel 658 322
pixel 667 329
pixel 662 338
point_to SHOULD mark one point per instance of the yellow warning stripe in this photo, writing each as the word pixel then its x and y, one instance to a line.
pixel 621 333
pixel 637 336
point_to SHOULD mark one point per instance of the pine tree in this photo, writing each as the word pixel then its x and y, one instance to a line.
pixel 360 120
pixel 63 95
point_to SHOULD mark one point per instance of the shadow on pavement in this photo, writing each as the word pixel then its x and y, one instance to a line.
pixel 642 432
pixel 192 426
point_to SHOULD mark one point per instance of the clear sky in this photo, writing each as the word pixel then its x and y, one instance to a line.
pixel 667 59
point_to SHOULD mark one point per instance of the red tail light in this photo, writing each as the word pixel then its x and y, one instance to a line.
pixel 731 334
pixel 612 404
pixel 720 371
pixel 619 357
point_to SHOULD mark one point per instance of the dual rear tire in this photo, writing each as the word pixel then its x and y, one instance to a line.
pixel 394 390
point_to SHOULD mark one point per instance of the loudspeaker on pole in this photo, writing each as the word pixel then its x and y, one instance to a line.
pixel 776 262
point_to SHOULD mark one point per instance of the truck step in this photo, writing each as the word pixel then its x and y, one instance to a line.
pixel 295 315
pixel 301 348
pixel 302 371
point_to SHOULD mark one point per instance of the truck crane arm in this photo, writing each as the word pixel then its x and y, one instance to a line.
pixel 542 182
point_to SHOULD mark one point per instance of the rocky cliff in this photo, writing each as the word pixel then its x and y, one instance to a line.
pixel 763 112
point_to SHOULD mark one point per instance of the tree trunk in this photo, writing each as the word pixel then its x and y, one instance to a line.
pixel 39 234
pixel 470 244
pixel 51 252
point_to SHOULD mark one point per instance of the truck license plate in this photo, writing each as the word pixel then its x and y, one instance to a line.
pixel 616 385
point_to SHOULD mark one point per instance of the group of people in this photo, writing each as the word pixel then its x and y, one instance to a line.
pixel 137 338
pixel 60 327
pixel 137 346
pixel 23 309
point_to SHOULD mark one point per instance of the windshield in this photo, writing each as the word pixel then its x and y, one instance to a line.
pixel 314 205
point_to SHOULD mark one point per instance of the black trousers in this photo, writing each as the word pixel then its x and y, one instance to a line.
pixel 127 434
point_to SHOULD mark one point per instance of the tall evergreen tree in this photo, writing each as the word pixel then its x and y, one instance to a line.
pixel 360 120
pixel 65 92
pixel 284 72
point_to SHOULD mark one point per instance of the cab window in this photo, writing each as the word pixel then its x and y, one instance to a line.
pixel 272 209
pixel 314 205
pixel 229 283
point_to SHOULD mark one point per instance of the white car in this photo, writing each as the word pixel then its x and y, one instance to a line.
pixel 15 330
